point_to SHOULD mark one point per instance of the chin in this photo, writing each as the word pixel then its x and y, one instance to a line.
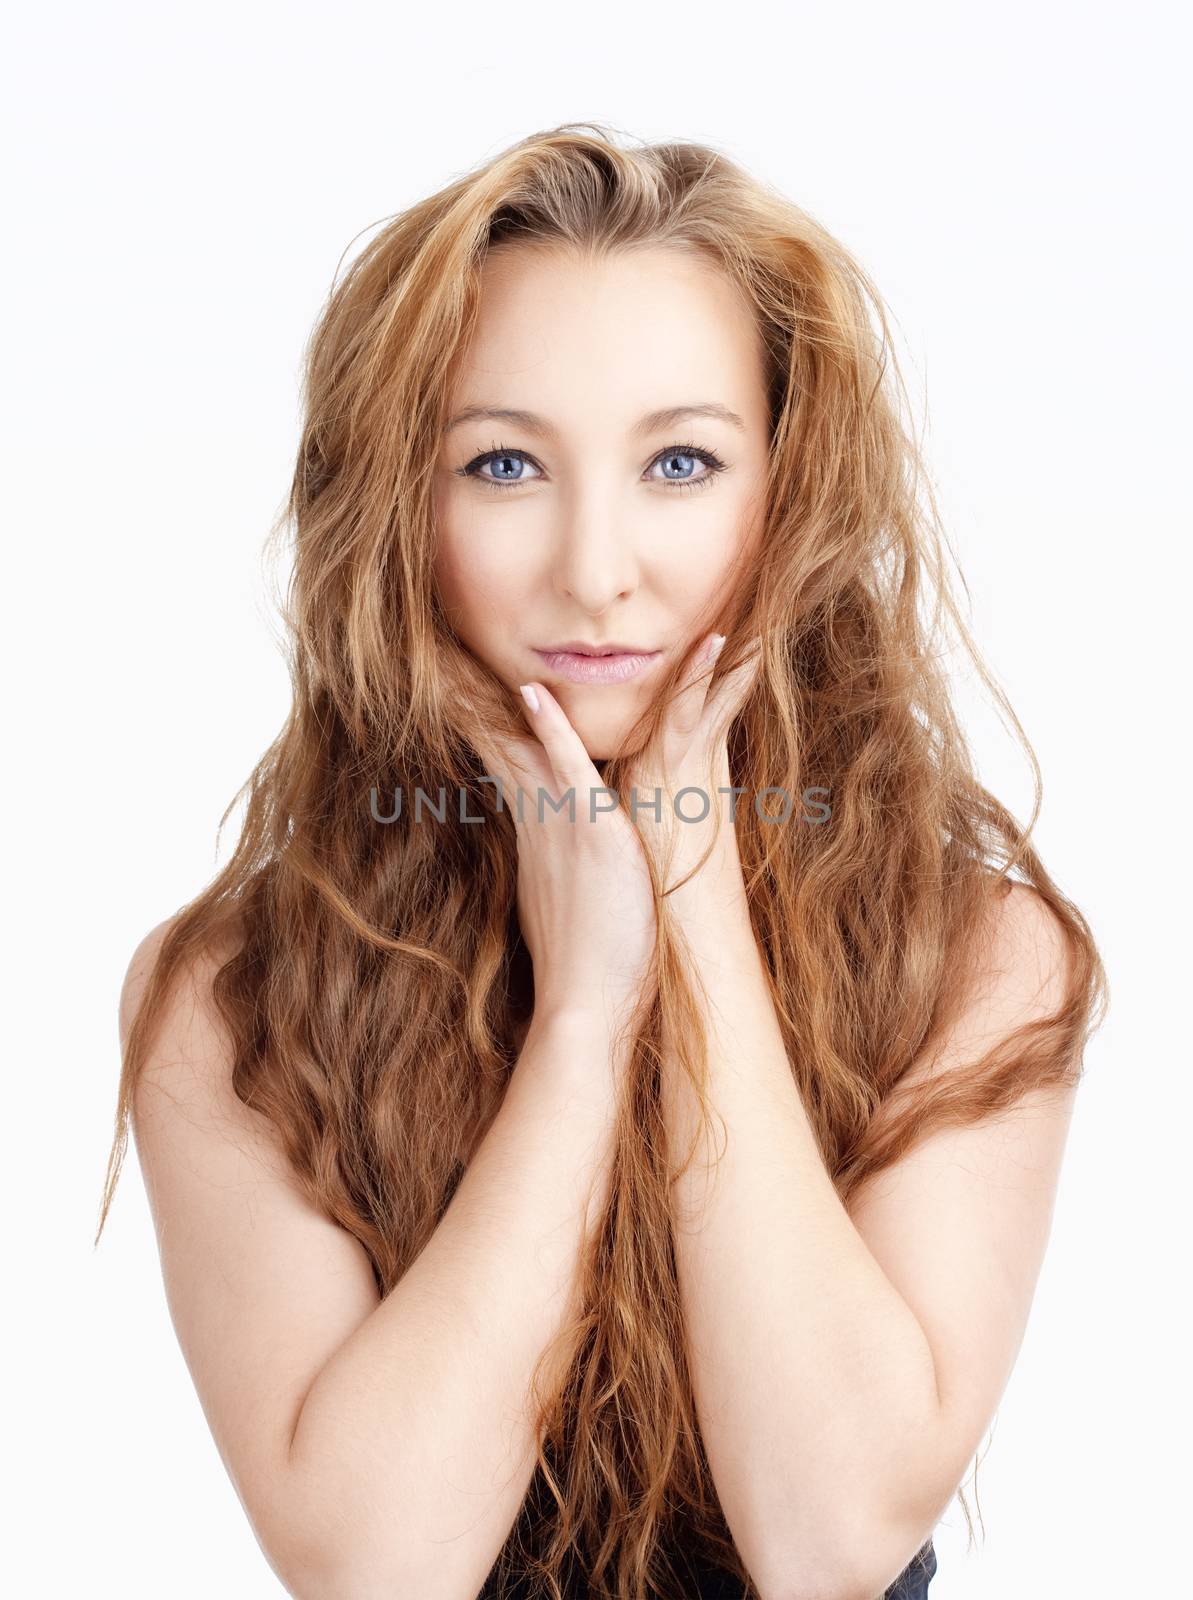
pixel 602 732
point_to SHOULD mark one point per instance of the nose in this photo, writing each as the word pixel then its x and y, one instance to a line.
pixel 595 562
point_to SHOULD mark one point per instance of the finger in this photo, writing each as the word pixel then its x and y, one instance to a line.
pixel 734 689
pixel 515 763
pixel 688 706
pixel 684 713
pixel 570 763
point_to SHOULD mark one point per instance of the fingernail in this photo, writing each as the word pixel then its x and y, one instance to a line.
pixel 715 648
pixel 529 695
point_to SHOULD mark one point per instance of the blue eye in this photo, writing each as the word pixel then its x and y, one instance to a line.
pixel 503 458
pixel 689 455
pixel 511 464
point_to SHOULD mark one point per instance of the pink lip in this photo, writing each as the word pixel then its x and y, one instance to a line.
pixel 618 668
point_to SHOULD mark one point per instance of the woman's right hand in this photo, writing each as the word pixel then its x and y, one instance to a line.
pixel 585 903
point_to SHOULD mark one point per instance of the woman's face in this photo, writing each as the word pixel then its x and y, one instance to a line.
pixel 585 497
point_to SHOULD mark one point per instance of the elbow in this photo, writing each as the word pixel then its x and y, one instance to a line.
pixel 823 1584
pixel 314 1570
pixel 801 1582
pixel 320 1549
pixel 308 1569
pixel 781 1573
pixel 319 1572
pixel 850 1567
pixel 311 1574
pixel 314 1562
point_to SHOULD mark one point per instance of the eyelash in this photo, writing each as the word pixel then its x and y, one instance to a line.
pixel 713 462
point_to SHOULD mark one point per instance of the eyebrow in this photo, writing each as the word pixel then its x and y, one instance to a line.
pixel 652 422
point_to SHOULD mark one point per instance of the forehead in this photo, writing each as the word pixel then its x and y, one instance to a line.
pixel 570 335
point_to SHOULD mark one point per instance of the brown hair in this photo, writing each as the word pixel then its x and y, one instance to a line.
pixel 373 979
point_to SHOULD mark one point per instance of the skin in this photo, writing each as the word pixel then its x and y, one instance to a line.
pixel 599 540
pixel 846 1362
pixel 840 1413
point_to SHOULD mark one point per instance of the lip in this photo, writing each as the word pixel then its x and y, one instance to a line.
pixel 616 664
pixel 609 647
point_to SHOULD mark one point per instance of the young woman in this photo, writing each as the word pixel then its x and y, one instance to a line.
pixel 602 1126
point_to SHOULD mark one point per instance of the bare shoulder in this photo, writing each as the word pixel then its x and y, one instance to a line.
pixel 208 1159
pixel 1030 948
pixel 188 1068
pixel 263 1286
pixel 195 979
pixel 136 976
pixel 1019 975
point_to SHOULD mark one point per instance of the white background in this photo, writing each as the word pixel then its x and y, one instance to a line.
pixel 181 184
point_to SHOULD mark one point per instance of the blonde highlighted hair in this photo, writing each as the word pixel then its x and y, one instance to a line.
pixel 373 979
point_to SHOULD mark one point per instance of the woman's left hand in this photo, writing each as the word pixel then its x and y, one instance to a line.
pixel 695 748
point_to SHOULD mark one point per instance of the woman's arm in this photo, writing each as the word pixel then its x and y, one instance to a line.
pixel 846 1361
pixel 417 1430
pixel 378 1447
pixel 386 1448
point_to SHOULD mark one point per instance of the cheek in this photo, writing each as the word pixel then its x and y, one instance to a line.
pixel 693 570
pixel 482 588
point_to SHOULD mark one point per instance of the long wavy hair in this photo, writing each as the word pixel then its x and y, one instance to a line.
pixel 373 980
